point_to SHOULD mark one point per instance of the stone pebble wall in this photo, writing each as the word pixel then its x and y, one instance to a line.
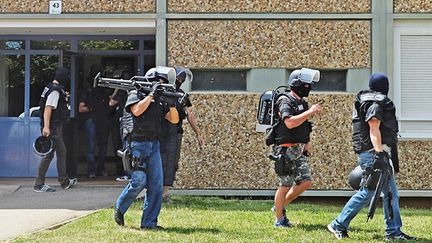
pixel 412 6
pixel 269 6
pixel 235 156
pixel 74 6
pixel 269 43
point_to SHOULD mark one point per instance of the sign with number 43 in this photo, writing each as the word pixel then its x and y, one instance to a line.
pixel 55 7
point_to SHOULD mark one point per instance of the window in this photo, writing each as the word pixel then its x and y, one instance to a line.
pixel 12 44
pixel 49 45
pixel 413 79
pixel 108 44
pixel 12 83
pixel 219 80
pixel 331 80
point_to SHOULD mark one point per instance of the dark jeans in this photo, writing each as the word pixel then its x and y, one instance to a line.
pixel 90 156
pixel 149 153
pixel 101 124
pixel 60 149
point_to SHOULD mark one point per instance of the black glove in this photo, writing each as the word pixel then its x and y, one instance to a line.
pixel 140 95
pixel 156 90
pixel 381 160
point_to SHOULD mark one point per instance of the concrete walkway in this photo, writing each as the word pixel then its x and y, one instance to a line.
pixel 24 211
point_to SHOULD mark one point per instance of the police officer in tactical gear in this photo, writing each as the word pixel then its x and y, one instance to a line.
pixel 374 137
pixel 292 141
pixel 147 112
pixel 171 142
pixel 54 113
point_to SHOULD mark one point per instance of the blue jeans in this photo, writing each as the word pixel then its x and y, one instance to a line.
pixel 91 131
pixel 152 179
pixel 362 199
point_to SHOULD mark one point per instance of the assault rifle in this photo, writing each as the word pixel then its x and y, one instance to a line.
pixel 384 180
pixel 140 83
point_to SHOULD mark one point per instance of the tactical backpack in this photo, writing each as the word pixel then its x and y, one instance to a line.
pixel 266 113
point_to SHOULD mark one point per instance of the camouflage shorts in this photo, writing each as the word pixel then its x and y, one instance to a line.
pixel 300 168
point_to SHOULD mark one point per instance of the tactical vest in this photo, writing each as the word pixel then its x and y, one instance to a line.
pixel 299 134
pixel 148 126
pixel 388 127
pixel 59 115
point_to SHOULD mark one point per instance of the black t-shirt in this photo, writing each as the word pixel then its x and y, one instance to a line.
pixel 374 110
pixel 102 97
pixel 87 97
pixel 117 110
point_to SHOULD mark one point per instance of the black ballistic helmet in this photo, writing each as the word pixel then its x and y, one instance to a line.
pixel 355 177
pixel 43 146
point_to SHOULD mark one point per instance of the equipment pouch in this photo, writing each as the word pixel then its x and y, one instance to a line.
pixel 126 159
pixel 372 178
pixel 270 136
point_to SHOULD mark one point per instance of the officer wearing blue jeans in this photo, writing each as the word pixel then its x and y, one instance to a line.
pixel 147 112
pixel 374 136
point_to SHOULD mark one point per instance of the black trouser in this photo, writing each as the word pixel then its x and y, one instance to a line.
pixel 60 149
pixel 70 138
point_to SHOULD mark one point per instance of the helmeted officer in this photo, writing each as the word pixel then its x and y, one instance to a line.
pixel 292 141
pixel 147 112
pixel 374 137
pixel 54 112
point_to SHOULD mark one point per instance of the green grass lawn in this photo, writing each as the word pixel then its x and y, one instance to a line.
pixel 205 219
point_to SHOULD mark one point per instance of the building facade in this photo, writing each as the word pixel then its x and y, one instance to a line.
pixel 237 50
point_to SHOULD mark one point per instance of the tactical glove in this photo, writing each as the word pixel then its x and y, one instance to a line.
pixel 156 90
pixel 381 160
pixel 140 95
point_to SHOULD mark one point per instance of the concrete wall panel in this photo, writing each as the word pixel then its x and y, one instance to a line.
pixel 269 43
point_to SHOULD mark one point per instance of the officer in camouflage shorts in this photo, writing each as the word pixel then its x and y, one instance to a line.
pixel 297 166
pixel 292 141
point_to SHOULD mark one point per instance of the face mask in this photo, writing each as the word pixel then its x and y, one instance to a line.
pixel 302 90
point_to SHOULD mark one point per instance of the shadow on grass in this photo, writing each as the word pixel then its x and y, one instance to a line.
pixel 182 230
pixel 218 203
pixel 319 227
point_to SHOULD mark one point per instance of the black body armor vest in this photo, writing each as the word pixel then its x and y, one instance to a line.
pixel 388 127
pixel 59 115
pixel 299 134
pixel 148 126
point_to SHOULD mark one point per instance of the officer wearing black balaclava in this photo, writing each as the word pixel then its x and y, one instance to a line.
pixel 54 113
pixel 374 140
pixel 292 141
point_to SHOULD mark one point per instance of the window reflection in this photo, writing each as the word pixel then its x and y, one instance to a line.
pixel 11 85
pixel 12 44
pixel 108 45
pixel 42 69
pixel 49 45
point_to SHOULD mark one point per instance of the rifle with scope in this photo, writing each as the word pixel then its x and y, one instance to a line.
pixel 139 83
